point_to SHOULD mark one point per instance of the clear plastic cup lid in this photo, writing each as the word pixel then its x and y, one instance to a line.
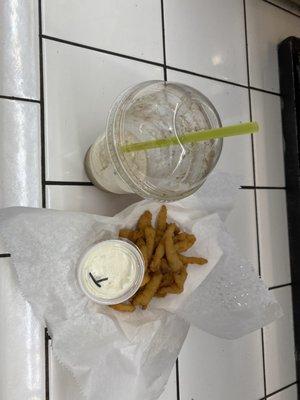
pixel 160 110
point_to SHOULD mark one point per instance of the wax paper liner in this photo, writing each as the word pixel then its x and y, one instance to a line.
pixel 130 356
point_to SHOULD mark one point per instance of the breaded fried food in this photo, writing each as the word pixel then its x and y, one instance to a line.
pixel 164 266
pixel 143 248
pixel 150 241
pixel 167 280
pixel 146 279
pixel 172 289
pixel 123 307
pixel 179 237
pixel 171 253
pixel 158 255
pixel 180 278
pixel 144 220
pixel 161 223
pixel 183 245
pixel 130 234
pixel 145 295
pixel 176 230
pixel 192 260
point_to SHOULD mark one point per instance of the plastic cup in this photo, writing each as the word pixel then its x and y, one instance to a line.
pixel 155 110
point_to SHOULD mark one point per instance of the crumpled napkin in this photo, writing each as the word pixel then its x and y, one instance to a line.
pixel 115 356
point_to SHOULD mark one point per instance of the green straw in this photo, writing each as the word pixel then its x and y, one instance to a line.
pixel 194 137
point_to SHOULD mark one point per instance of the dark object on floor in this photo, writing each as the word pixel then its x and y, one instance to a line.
pixel 289 66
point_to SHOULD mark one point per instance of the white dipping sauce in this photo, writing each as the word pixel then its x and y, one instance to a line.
pixel 109 270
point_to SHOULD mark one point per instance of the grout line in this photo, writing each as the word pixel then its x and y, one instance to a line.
pixel 185 71
pixel 246 44
pixel 177 380
pixel 47 339
pixel 158 64
pixel 255 192
pixel 252 142
pixel 212 78
pixel 163 38
pixel 281 8
pixel 42 112
pixel 68 183
pixel 264 91
pixel 279 390
pixel 5 255
pixel 264 361
pixel 264 187
pixel 112 53
pixel 280 286
pixel 19 99
pixel 78 183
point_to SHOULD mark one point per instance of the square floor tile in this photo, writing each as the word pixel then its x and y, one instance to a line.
pixel 268 142
pixel 207 37
pixel 280 346
pixel 131 27
pixel 232 104
pixel 244 233
pixel 212 368
pixel 20 157
pixel 287 5
pixel 80 87
pixel 287 394
pixel 22 370
pixel 273 236
pixel 87 199
pixel 19 49
pixel 267 26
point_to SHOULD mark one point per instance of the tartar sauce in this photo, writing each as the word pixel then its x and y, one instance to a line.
pixel 109 270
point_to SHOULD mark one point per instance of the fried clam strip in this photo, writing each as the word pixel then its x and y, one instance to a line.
pixel 158 255
pixel 192 260
pixel 172 289
pixel 123 307
pixel 144 220
pixel 143 248
pixel 130 234
pixel 146 279
pixel 175 286
pixel 164 266
pixel 171 252
pixel 150 241
pixel 167 280
pixel 145 294
pixel 180 278
pixel 160 224
pixel 186 243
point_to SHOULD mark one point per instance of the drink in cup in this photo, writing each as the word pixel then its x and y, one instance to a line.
pixel 155 110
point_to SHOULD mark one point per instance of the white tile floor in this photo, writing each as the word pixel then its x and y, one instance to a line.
pixel 86 77
pixel 287 394
pixel 19 52
pixel 279 345
pixel 205 47
pixel 204 37
pixel 267 26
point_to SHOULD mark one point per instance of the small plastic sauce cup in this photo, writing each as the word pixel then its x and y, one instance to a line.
pixel 111 271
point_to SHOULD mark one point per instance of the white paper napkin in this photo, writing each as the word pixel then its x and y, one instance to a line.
pixel 117 356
